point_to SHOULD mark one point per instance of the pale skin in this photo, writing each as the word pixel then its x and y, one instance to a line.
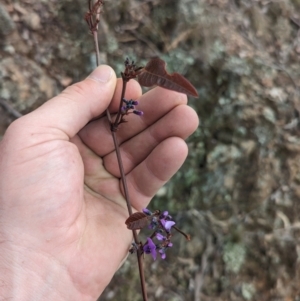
pixel 62 212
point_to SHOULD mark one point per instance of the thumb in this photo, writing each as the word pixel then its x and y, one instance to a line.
pixel 71 110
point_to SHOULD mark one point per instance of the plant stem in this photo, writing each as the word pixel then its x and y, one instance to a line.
pixel 187 236
pixel 5 104
pixel 96 44
pixel 114 127
pixel 117 121
pixel 126 193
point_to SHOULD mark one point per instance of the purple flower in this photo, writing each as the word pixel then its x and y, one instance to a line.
pixel 162 251
pixel 150 248
pixel 147 211
pixel 165 215
pixel 167 224
pixel 154 220
pixel 130 105
pixel 159 236
pixel 137 112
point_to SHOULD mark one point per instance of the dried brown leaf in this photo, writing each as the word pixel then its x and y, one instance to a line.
pixel 155 74
pixel 137 220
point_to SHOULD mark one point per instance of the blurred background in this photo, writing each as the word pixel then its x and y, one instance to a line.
pixel 238 193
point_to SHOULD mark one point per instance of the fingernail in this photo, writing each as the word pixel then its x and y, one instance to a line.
pixel 101 74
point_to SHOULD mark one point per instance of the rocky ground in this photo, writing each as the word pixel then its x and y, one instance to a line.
pixel 238 193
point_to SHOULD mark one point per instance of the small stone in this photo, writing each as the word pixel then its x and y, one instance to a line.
pixel 9 49
pixel 65 81
pixel 32 20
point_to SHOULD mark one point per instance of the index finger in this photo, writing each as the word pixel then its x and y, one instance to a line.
pixel 72 109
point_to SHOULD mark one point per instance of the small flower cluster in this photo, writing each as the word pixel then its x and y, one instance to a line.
pixel 131 70
pixel 161 224
pixel 130 105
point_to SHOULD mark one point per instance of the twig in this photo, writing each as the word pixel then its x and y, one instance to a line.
pixel 295 21
pixel 92 18
pixel 200 275
pixel 146 41
pixel 117 121
pixel 181 37
pixel 4 103
pixel 125 187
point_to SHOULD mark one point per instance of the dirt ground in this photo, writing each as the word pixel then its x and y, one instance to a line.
pixel 238 194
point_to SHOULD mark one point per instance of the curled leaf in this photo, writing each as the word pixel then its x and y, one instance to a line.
pixel 137 220
pixel 155 74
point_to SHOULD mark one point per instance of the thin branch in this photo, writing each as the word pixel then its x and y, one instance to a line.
pixel 146 41
pixel 295 21
pixel 180 38
pixel 125 187
pixel 4 103
pixel 96 45
pixel 118 118
pixel 93 25
pixel 200 275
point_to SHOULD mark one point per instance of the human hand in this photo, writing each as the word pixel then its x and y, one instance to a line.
pixel 62 212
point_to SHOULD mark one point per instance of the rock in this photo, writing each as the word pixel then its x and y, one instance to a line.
pixel 26 83
pixel 32 20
